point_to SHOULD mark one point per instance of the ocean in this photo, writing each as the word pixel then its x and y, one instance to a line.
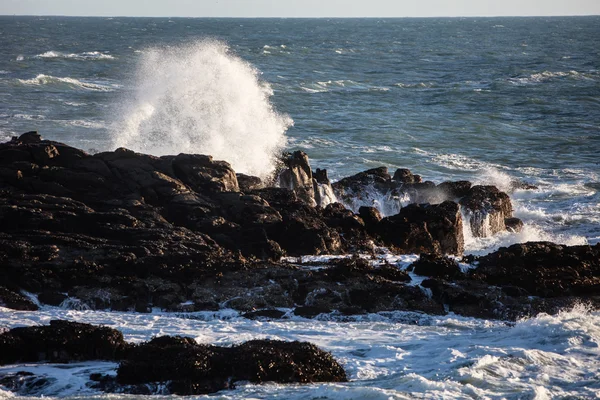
pixel 490 100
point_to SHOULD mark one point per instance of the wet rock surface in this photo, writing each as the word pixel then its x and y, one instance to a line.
pixel 130 232
pixel 61 341
pixel 179 364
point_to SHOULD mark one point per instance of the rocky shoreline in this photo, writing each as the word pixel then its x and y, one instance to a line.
pixel 131 232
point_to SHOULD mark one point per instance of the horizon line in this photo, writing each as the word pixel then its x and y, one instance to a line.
pixel 301 17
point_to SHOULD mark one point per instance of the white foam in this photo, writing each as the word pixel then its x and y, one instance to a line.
pixel 88 55
pixel 386 355
pixel 42 79
pixel 202 98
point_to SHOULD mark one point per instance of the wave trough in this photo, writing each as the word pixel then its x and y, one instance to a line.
pixel 201 98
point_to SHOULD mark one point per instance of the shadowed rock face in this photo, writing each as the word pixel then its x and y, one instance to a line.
pixel 189 368
pixel 179 363
pixel 435 229
pixel 61 341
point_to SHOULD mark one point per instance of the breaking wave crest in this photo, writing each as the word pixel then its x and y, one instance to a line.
pixel 71 83
pixel 201 98
pixel 88 55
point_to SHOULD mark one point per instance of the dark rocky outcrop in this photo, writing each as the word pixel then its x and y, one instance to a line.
pixel 15 301
pixel 544 269
pixel 298 176
pixel 61 341
pixel 425 228
pixel 179 363
pixel 127 231
pixel 437 266
pixel 188 368
pixel 486 208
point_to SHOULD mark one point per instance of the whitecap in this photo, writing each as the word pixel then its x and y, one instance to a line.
pixel 42 79
pixel 88 55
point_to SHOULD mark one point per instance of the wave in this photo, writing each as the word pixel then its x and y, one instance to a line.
pixel 88 55
pixel 201 98
pixel 474 358
pixel 73 83
pixel 345 85
pixel 544 76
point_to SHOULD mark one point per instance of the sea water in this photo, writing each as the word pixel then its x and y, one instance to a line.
pixel 490 100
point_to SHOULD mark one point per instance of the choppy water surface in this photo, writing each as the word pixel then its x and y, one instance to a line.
pixel 484 99
pixel 387 356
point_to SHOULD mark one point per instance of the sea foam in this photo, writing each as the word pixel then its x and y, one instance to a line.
pixel 201 98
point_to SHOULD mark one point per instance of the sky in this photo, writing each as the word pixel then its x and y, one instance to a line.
pixel 300 8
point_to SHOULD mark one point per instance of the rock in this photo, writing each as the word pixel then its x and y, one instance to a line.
pixel 303 231
pixel 15 301
pixel 311 311
pixel 22 382
pixel 486 208
pixel 514 225
pixel 189 368
pixel 30 137
pixel 359 185
pixel 405 176
pixel 264 314
pixel 52 298
pixel 424 228
pixel 324 194
pixel 298 177
pixel 437 266
pixel 544 269
pixel 370 215
pixel 248 183
pixel 201 173
pixel 455 190
pixel 61 341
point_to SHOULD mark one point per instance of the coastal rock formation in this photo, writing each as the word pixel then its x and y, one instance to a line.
pixel 425 228
pixel 61 341
pixel 188 368
pixel 436 266
pixel 15 301
pixel 544 269
pixel 179 363
pixel 486 208
pixel 298 177
pixel 131 232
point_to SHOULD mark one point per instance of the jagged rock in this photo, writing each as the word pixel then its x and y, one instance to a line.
pixel 370 215
pixel 514 224
pixel 486 208
pixel 61 341
pixel 377 179
pixel 15 301
pixel 298 177
pixel 544 269
pixel 248 183
pixel 324 194
pixel 437 266
pixel 424 228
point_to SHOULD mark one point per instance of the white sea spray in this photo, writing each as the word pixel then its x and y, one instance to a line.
pixel 202 98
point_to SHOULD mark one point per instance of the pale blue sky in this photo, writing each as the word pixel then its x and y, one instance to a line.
pixel 300 8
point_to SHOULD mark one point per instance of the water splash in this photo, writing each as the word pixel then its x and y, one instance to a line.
pixel 201 98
